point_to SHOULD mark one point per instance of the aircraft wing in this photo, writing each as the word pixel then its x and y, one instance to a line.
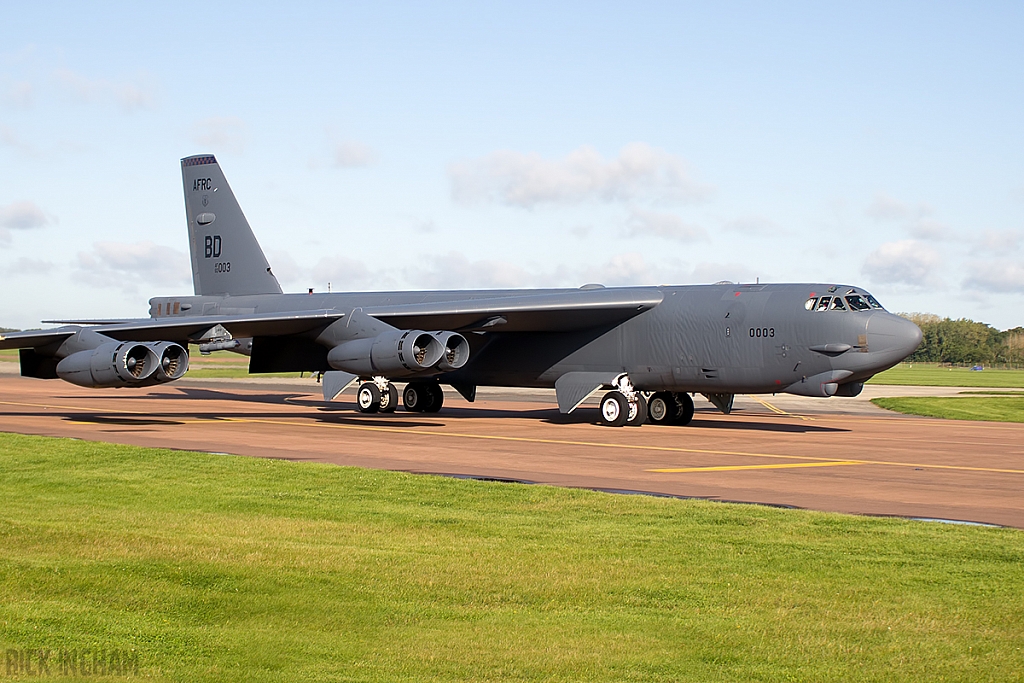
pixel 549 312
pixel 34 338
pixel 181 328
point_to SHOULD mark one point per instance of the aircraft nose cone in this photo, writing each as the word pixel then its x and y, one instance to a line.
pixel 891 336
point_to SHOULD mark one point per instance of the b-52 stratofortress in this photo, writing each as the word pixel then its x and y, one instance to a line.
pixel 648 348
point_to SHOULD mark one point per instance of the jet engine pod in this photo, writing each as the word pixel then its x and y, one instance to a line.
pixel 113 364
pixel 395 353
pixel 172 363
pixel 455 350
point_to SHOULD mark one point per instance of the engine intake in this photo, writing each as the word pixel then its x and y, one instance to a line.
pixel 456 351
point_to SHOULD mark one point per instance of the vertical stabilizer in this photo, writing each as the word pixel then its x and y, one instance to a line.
pixel 226 258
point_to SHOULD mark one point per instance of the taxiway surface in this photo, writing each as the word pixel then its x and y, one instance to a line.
pixel 839 455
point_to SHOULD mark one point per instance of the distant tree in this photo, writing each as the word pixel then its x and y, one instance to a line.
pixel 965 341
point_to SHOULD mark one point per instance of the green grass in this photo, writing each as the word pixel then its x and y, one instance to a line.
pixel 222 567
pixel 987 408
pixel 934 375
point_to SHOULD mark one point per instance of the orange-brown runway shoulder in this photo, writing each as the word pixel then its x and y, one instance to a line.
pixel 861 463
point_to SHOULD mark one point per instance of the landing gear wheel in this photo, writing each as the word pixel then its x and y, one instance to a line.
pixel 685 404
pixel 637 412
pixel 415 397
pixel 436 398
pixel 614 409
pixel 368 398
pixel 663 408
pixel 389 399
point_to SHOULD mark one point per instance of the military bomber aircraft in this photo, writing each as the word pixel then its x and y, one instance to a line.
pixel 649 348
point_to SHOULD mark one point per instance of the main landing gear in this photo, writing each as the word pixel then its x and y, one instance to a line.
pixel 423 397
pixel 670 408
pixel 624 405
pixel 377 396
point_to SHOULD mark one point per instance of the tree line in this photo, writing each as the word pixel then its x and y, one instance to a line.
pixel 965 342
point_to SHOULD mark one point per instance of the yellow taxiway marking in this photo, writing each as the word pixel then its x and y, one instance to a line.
pixel 524 439
pixel 777 466
pixel 777 410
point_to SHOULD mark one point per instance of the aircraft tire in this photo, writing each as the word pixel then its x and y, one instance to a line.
pixel 614 409
pixel 685 413
pixel 663 408
pixel 415 397
pixel 389 399
pixel 368 398
pixel 638 414
pixel 436 398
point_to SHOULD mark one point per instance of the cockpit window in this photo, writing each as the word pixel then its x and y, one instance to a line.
pixel 810 303
pixel 823 303
pixel 837 304
pixel 873 302
pixel 857 303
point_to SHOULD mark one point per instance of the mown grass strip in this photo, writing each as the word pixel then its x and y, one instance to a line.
pixel 933 375
pixel 984 408
pixel 213 567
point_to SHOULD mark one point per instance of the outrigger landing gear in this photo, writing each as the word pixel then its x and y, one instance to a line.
pixel 623 405
pixel 423 397
pixel 377 395
pixel 668 408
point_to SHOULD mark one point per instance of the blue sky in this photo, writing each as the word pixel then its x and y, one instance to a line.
pixel 513 144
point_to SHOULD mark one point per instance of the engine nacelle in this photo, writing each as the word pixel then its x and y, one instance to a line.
pixel 121 364
pixel 455 350
pixel 113 364
pixel 394 353
pixel 172 362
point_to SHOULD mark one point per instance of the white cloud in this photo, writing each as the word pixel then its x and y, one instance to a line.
pixel 930 230
pixel 455 271
pixel 709 273
pixel 886 208
pixel 527 180
pixel 128 95
pixel 1001 275
pixel 21 216
pixel 754 225
pixel 669 226
pixel 998 241
pixel 30 266
pixel 127 266
pixel 344 273
pixel 906 261
pixel 17 94
pixel 352 154
pixel 8 138
pixel 220 134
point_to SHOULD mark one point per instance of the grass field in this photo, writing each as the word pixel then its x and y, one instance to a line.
pixel 934 375
pixel 220 567
pixel 986 408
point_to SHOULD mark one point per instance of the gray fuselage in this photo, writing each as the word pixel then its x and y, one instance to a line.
pixel 721 338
